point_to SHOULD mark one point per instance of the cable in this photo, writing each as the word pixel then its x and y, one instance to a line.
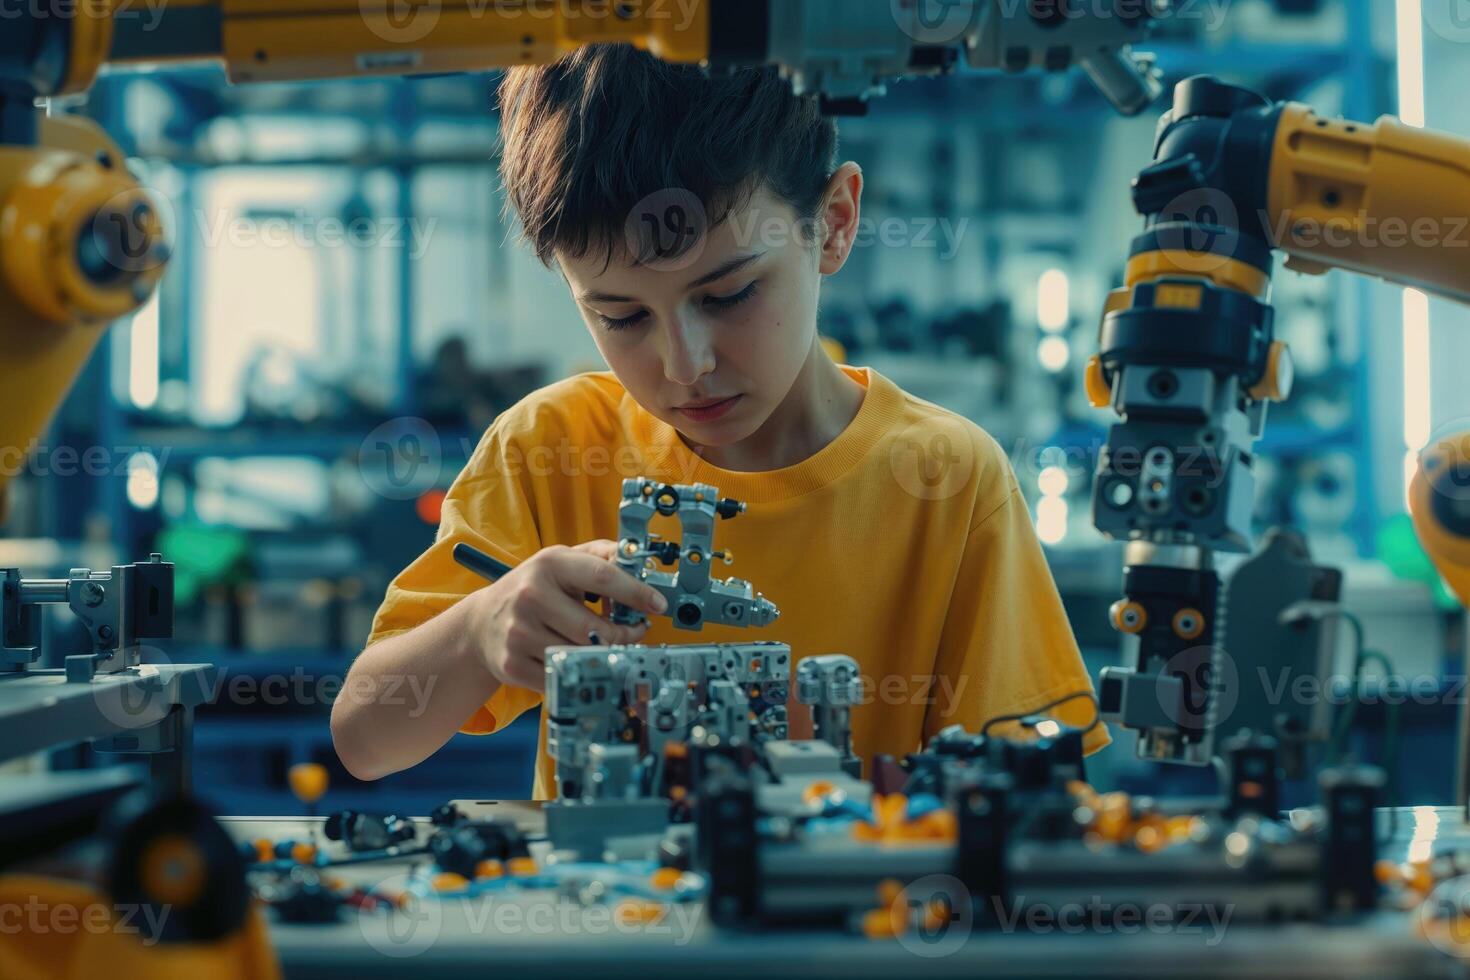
pixel 1345 719
pixel 1096 712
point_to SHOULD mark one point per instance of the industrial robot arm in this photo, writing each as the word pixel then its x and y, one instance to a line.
pixel 1189 360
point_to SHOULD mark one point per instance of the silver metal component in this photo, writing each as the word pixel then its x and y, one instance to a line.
pixel 694 597
pixel 120 608
pixel 1008 37
pixel 849 49
pixel 1187 556
pixel 840 49
pixel 1178 468
pixel 1156 481
pixel 831 685
pixel 644 697
pixel 1130 82
pixel 612 771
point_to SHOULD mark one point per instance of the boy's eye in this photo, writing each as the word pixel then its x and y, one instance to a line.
pixel 619 323
pixel 733 299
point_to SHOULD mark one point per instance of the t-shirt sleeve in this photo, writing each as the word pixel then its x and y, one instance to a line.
pixel 1007 647
pixel 490 505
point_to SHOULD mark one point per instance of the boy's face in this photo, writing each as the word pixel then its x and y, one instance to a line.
pixel 712 342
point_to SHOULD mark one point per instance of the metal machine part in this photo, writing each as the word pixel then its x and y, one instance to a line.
pixel 832 685
pixel 846 51
pixel 1056 36
pixel 1015 834
pixel 108 696
pixel 1189 360
pixel 1281 624
pixel 120 608
pixel 648 699
pixel 694 597
pixel 1167 618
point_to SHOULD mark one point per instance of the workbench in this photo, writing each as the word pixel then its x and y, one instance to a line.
pixel 506 935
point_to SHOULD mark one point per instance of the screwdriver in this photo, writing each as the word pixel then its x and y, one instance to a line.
pixel 490 568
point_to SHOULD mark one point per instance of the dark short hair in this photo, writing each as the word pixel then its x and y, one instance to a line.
pixel 588 137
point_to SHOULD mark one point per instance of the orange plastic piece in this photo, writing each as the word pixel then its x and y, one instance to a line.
pixel 882 924
pixel 1128 617
pixel 816 790
pixel 308 781
pixel 1387 873
pixel 1095 383
pixel 640 912
pixel 489 868
pixel 523 866
pixel 1188 623
pixel 889 889
pixel 664 878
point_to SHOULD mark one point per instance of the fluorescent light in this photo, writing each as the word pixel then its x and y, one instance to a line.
pixel 1052 481
pixel 1416 369
pixel 1054 353
pixel 143 480
pixel 1411 62
pixel 1053 300
pixel 1051 520
pixel 143 354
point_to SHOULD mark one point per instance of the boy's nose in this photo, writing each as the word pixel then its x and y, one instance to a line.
pixel 688 353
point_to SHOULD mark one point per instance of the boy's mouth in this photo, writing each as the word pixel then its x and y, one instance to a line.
pixel 707 410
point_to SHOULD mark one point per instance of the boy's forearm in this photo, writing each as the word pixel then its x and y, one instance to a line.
pixel 407 695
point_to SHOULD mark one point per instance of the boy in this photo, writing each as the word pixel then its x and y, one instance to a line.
pixel 693 219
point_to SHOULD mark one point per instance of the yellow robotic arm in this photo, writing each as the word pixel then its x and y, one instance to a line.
pixel 1189 361
pixel 1439 501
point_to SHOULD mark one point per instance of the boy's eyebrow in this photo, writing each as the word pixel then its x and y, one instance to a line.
pixel 734 264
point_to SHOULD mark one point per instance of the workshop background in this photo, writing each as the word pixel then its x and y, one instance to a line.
pixel 347 311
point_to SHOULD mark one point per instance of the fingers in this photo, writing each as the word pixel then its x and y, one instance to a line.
pixel 579 572
pixel 574 621
pixel 602 548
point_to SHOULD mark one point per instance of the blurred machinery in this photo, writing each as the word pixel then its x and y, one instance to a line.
pixel 107 695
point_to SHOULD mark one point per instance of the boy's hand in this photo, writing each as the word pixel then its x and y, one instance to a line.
pixel 538 604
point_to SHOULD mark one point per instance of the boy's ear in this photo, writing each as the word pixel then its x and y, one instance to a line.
pixel 840 216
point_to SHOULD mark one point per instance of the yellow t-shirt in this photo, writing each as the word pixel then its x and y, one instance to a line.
pixel 904 543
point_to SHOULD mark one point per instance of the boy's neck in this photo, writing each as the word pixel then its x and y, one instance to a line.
pixel 822 402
